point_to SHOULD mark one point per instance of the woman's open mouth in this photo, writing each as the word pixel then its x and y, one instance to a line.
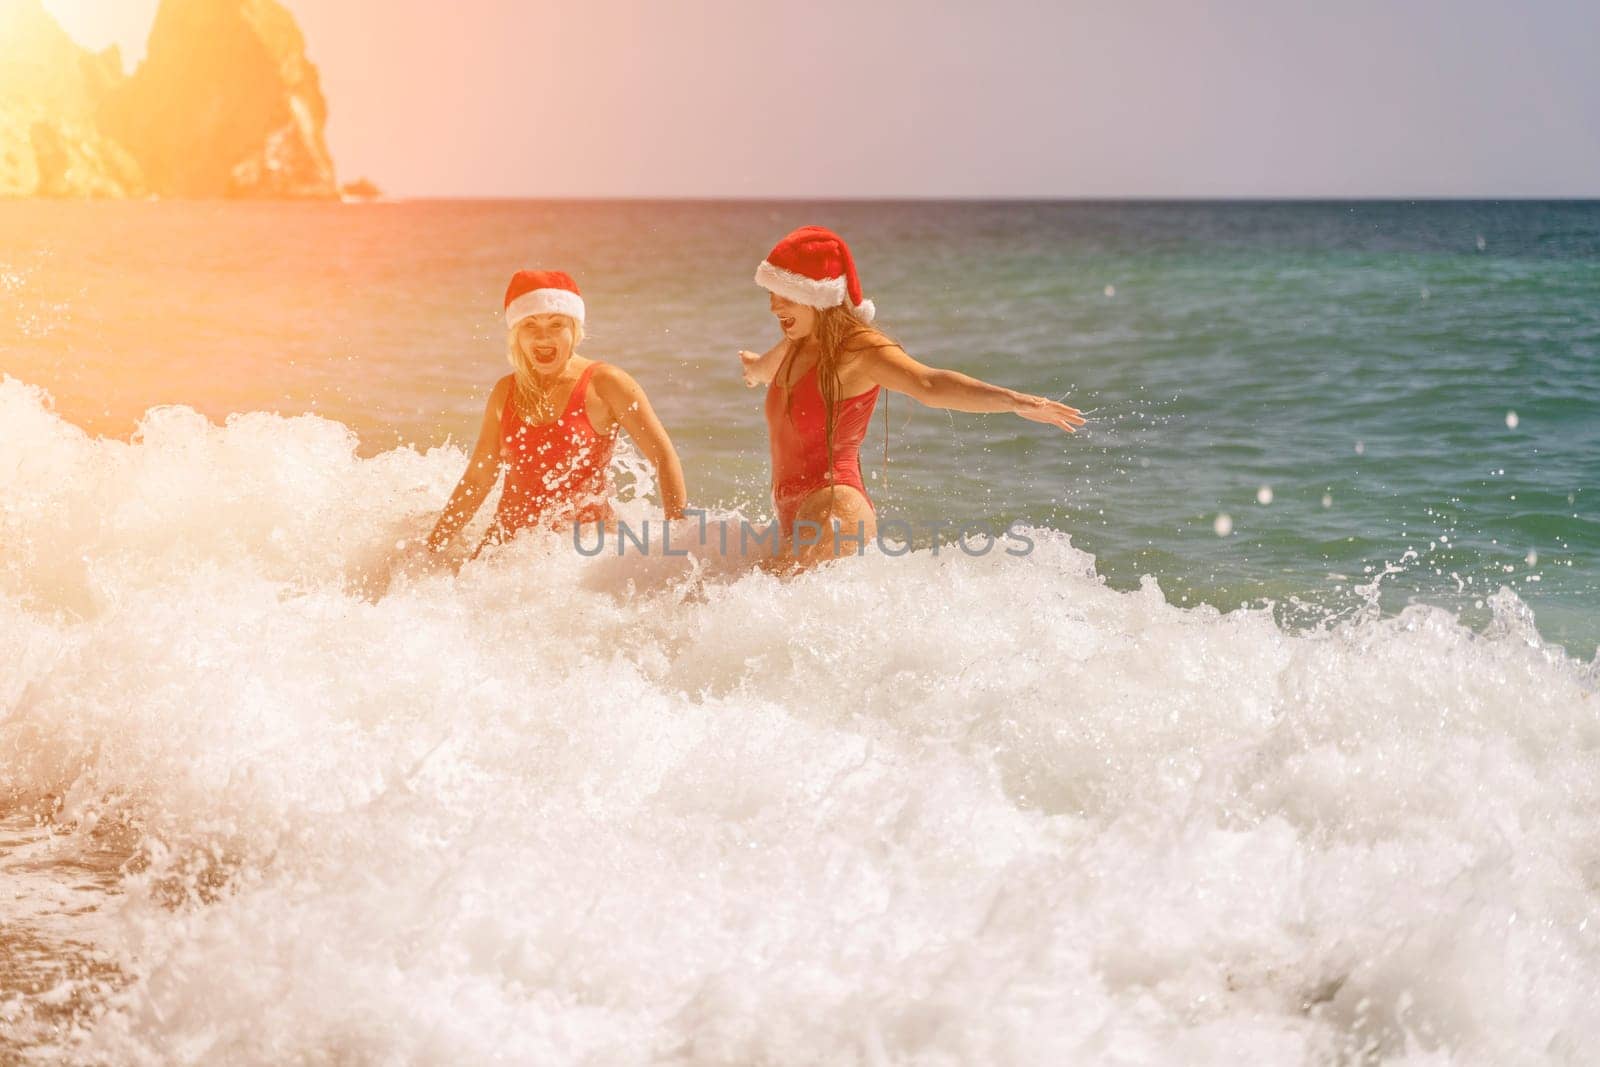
pixel 544 355
pixel 786 323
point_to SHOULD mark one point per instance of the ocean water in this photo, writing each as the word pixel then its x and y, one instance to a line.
pixel 1310 783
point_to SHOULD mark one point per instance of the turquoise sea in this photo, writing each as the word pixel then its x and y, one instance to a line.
pixel 1281 747
pixel 1362 361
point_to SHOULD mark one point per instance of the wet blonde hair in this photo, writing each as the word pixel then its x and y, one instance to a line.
pixel 839 334
pixel 520 362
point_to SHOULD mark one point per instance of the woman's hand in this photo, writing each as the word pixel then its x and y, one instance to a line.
pixel 1052 412
pixel 760 368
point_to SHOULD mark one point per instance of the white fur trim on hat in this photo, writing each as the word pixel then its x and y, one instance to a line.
pixel 545 302
pixel 827 293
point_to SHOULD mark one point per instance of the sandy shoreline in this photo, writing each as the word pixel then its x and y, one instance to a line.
pixel 54 977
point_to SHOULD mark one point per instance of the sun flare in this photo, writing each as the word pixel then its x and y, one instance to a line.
pixel 101 23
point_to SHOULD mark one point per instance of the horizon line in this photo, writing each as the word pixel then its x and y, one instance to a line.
pixel 472 198
pixel 1007 198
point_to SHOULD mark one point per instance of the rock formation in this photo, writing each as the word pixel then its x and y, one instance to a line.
pixel 359 190
pixel 225 104
pixel 51 92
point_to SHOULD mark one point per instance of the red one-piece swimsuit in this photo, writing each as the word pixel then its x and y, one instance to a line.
pixel 557 472
pixel 800 442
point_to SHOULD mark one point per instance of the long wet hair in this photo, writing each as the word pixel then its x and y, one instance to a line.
pixel 839 335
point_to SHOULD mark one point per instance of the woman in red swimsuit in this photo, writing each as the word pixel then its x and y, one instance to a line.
pixel 552 424
pixel 825 375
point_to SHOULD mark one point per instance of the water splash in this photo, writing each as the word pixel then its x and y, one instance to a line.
pixel 927 809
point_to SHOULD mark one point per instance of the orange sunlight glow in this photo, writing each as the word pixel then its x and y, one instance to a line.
pixel 99 24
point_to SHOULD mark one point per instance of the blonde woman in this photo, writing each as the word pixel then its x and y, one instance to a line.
pixel 552 424
pixel 825 375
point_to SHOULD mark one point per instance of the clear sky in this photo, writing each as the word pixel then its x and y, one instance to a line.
pixel 906 98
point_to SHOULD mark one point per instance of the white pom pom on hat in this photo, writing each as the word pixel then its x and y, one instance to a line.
pixel 813 266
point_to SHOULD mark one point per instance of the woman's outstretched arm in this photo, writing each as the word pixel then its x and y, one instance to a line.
pixel 890 367
pixel 761 368
pixel 482 470
pixel 626 399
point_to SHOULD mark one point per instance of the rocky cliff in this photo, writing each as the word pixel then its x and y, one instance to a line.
pixel 51 93
pixel 225 104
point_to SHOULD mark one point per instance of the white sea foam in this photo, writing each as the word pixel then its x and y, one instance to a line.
pixel 920 810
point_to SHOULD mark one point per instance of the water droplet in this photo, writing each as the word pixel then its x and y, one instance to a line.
pixel 1512 420
pixel 1327 500
pixel 1482 244
pixel 1264 495
pixel 1532 557
pixel 1111 290
pixel 1361 448
pixel 1223 525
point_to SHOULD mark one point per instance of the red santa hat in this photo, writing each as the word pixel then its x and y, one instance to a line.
pixel 813 266
pixel 542 292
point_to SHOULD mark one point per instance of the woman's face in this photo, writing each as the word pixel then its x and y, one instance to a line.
pixel 797 320
pixel 546 341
